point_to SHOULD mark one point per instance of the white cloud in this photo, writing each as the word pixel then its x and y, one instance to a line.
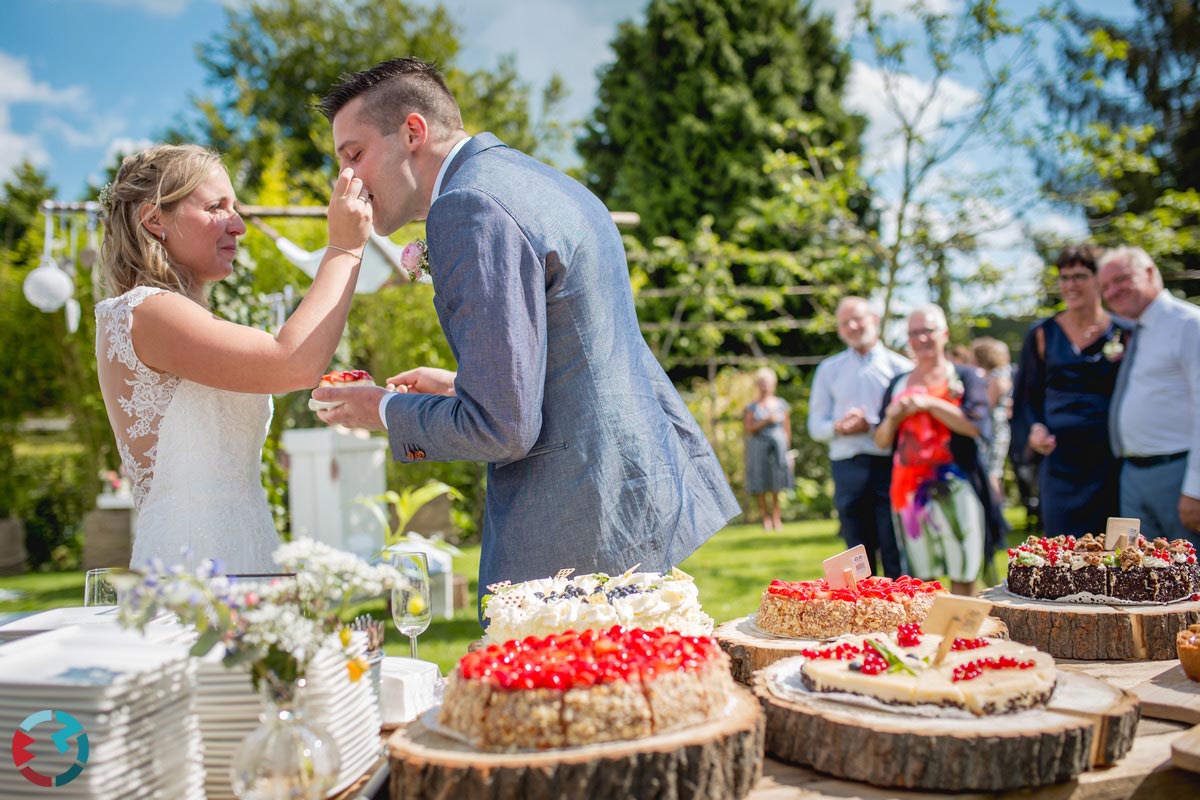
pixel 886 98
pixel 17 85
pixel 15 148
pixel 162 8
pixel 1060 226
pixel 844 11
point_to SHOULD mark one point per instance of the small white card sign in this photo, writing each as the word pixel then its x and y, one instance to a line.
pixel 1121 531
pixel 847 568
pixel 954 617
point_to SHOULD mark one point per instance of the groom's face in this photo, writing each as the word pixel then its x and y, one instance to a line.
pixel 385 164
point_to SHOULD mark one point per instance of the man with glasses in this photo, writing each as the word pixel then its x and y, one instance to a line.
pixel 846 396
pixel 1155 413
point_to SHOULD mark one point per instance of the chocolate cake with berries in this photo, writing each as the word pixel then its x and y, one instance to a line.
pixel 811 610
pixel 983 676
pixel 573 688
pixel 1160 571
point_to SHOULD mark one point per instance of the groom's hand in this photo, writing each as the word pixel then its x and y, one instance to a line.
pixel 359 406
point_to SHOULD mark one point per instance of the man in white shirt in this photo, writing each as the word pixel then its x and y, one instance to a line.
pixel 1154 418
pixel 843 410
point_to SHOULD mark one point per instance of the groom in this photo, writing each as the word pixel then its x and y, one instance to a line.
pixel 594 462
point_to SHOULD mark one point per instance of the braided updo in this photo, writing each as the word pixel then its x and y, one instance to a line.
pixel 160 176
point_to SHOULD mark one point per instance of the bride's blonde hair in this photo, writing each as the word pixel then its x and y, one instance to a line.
pixel 160 176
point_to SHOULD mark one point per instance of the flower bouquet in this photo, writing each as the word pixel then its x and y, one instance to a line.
pixel 275 629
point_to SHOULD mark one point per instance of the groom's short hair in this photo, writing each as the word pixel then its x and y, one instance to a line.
pixel 394 89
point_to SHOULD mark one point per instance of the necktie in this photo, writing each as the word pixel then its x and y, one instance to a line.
pixel 1114 406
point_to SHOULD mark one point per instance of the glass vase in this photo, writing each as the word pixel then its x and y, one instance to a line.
pixel 284 758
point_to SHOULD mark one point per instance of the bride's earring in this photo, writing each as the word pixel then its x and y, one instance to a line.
pixel 163 236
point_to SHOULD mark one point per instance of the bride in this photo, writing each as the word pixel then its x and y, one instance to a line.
pixel 187 393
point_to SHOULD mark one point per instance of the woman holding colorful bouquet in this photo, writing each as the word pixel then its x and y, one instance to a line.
pixel 935 419
pixel 1065 381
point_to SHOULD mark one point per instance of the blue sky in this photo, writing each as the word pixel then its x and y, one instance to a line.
pixel 76 85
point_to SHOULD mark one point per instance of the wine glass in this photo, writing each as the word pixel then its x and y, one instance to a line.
pixel 411 599
pixel 98 589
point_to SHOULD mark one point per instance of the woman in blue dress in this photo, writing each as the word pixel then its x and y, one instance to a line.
pixel 1065 381
pixel 768 426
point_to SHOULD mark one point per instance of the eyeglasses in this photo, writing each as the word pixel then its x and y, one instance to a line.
pixel 919 332
pixel 1074 277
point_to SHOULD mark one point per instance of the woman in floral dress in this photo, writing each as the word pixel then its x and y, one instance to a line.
pixel 935 419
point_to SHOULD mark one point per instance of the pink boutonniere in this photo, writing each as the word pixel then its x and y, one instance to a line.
pixel 415 259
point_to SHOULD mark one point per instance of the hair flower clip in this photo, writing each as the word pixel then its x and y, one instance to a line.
pixel 415 259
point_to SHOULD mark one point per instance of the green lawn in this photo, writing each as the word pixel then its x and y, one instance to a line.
pixel 731 570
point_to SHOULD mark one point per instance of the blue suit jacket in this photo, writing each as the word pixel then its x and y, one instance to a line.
pixel 594 462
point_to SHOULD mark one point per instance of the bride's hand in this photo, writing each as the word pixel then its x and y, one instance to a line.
pixel 350 214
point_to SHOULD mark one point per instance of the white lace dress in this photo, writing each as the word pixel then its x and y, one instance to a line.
pixel 193 452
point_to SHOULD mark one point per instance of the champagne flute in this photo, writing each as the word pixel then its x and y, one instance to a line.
pixel 411 609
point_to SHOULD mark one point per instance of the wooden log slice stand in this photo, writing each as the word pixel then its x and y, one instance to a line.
pixel 1094 632
pixel 719 759
pixel 751 649
pixel 1093 724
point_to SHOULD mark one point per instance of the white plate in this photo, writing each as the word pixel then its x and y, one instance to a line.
pixel 323 405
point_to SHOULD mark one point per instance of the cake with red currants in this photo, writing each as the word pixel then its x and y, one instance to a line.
pixel 983 676
pixel 811 610
pixel 1059 567
pixel 572 688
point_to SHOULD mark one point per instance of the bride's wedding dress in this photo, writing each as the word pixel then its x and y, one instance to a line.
pixel 193 453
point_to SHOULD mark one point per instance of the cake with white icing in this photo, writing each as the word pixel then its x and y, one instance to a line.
pixel 983 676
pixel 595 601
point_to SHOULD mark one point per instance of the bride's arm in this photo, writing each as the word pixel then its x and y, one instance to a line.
pixel 174 335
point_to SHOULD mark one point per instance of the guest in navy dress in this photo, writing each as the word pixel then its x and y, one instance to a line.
pixel 1065 380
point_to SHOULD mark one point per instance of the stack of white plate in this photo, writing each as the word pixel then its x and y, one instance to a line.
pixel 228 709
pixel 132 697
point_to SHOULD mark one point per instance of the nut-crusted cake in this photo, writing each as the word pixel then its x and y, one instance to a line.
pixel 573 688
pixel 983 676
pixel 811 610
pixel 1062 566
pixel 597 601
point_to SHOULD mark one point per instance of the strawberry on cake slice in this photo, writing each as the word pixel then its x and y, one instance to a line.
pixel 339 378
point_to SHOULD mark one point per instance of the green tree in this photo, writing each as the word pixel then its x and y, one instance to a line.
pixel 687 112
pixel 941 207
pixel 1129 73
pixel 275 58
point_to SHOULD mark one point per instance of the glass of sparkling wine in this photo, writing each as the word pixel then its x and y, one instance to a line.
pixel 411 610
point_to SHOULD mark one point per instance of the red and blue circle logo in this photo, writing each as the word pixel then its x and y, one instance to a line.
pixel 69 731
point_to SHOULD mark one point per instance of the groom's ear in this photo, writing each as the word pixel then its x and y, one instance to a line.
pixel 414 131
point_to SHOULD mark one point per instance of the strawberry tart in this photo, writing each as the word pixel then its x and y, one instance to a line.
pixel 339 378
pixel 1064 567
pixel 811 610
pixel 983 676
pixel 574 688
pixel 594 601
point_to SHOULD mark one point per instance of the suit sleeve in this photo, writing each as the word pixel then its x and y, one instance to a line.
pixel 491 302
